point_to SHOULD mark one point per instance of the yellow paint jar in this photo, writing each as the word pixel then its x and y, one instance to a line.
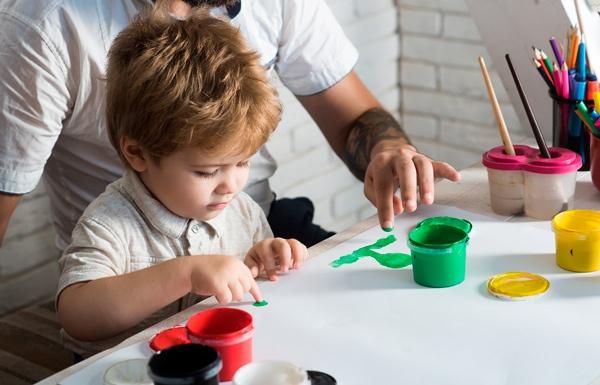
pixel 577 234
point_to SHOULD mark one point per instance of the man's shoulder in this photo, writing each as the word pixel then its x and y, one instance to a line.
pixel 35 13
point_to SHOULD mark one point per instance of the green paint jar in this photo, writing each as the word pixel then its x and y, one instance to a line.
pixel 438 254
pixel 461 223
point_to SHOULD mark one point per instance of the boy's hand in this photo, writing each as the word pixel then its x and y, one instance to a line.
pixel 225 277
pixel 275 254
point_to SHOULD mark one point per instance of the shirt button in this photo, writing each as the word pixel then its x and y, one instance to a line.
pixel 195 229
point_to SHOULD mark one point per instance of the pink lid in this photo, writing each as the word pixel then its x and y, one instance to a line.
pixel 562 160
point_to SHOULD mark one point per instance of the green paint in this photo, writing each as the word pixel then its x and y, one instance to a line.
pixel 260 303
pixel 387 229
pixel 392 260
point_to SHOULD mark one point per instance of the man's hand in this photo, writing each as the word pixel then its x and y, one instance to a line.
pixel 396 164
pixel 275 254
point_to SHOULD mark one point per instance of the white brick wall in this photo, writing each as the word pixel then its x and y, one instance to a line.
pixel 442 104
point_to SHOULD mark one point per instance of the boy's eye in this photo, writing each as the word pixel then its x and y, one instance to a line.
pixel 245 163
pixel 204 174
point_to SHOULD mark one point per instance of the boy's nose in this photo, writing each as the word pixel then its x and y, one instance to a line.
pixel 228 185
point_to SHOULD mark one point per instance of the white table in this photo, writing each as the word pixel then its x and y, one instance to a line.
pixel 349 320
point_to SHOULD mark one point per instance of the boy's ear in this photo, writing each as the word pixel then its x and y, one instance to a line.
pixel 134 153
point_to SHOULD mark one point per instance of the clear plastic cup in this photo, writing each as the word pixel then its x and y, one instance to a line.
pixel 541 187
pixel 271 373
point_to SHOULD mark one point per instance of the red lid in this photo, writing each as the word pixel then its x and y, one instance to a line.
pixel 220 323
pixel 169 337
pixel 527 158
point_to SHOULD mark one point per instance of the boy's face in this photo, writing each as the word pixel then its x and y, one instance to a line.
pixel 192 185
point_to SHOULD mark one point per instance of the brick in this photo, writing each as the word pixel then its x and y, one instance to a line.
pixel 389 99
pixel 383 50
pixel 446 5
pixel 379 76
pixel 460 27
pixel 372 28
pixel 458 158
pixel 421 21
pixel 473 137
pixel 349 201
pixel 418 74
pixel 307 137
pixel 24 253
pixel 455 107
pixel 470 82
pixel 28 288
pixel 420 126
pixel 280 145
pixel 366 8
pixel 443 52
pixel 324 185
pixel 301 168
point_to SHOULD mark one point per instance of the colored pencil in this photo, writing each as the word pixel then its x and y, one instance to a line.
pixel 540 69
pixel 557 52
pixel 532 121
pixel 508 146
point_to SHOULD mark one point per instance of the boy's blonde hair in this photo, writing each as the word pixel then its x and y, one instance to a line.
pixel 176 83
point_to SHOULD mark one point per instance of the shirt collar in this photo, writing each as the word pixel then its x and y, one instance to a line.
pixel 165 221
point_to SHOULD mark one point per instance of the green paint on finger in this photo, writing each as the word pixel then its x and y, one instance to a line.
pixel 260 303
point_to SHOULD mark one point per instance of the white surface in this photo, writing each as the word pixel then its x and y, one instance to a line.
pixel 366 324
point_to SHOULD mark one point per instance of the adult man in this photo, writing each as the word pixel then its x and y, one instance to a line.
pixel 53 53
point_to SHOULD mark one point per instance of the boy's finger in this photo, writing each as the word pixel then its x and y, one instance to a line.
pixel 237 292
pixel 255 291
pixel 223 295
pixel 281 248
pixel 299 253
pixel 253 265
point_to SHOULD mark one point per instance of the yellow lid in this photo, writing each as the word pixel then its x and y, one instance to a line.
pixel 517 285
pixel 578 221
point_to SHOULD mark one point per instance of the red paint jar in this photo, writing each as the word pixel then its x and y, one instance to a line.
pixel 227 330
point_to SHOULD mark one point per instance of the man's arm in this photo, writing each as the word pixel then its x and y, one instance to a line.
pixel 375 148
pixel 8 203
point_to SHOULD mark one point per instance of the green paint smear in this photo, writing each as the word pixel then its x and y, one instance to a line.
pixel 260 303
pixel 391 260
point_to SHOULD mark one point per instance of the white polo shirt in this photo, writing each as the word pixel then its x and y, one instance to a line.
pixel 52 65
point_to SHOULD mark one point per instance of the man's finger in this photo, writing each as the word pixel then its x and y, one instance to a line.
pixel 425 178
pixel 444 170
pixel 383 185
pixel 407 176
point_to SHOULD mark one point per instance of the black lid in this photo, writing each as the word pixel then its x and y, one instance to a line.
pixel 320 378
pixel 184 364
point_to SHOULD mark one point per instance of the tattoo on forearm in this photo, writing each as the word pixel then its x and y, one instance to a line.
pixel 371 128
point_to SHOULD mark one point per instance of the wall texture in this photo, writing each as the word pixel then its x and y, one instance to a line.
pixel 420 59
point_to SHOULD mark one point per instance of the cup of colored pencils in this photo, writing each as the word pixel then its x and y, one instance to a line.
pixel 572 87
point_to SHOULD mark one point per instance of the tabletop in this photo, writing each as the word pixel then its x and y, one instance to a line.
pixel 469 195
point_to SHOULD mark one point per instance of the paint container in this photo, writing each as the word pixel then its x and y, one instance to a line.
pixel 168 338
pixel 129 372
pixel 229 331
pixel 438 255
pixel 577 234
pixel 190 364
pixel 541 187
pixel 271 373
pixel 279 373
pixel 460 223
